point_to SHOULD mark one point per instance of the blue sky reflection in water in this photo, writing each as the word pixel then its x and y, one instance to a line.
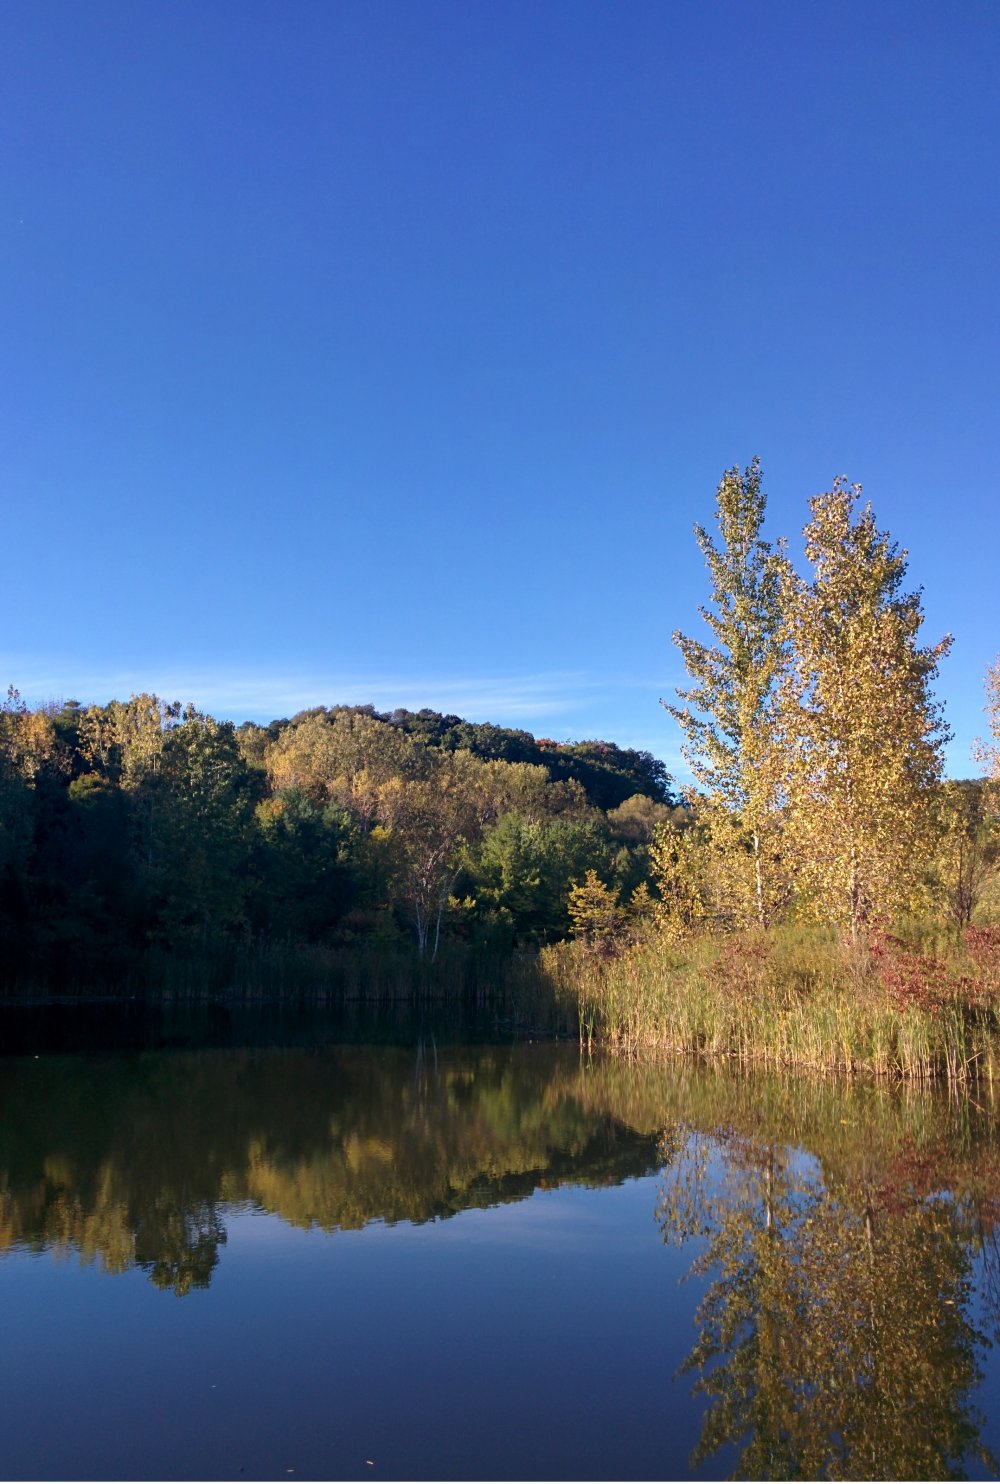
pixel 257 1300
pixel 535 1340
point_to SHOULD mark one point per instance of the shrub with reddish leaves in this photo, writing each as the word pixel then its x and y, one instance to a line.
pixel 914 979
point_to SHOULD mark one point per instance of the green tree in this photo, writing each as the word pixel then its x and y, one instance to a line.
pixel 728 721
pixel 309 866
pixel 526 868
pixel 201 828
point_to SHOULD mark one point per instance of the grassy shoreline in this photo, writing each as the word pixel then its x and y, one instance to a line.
pixel 795 998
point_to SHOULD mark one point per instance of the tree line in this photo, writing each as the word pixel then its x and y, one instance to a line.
pixel 143 825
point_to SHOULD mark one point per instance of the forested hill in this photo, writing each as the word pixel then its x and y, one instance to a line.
pixel 140 827
pixel 607 773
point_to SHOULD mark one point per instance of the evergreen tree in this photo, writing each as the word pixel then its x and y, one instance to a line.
pixel 594 912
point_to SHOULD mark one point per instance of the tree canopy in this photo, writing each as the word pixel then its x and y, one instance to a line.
pixel 141 825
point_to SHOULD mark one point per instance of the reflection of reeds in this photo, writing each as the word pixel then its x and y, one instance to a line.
pixel 792 998
pixel 509 985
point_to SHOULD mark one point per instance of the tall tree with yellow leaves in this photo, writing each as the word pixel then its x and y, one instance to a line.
pixel 728 720
pixel 861 735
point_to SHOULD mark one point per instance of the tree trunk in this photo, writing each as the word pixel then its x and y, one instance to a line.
pixel 759 881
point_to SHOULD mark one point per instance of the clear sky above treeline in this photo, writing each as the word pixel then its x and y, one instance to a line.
pixel 387 350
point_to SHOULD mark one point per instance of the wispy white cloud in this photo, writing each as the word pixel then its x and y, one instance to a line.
pixel 563 704
pixel 241 693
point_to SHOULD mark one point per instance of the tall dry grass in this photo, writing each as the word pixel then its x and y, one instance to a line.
pixel 794 997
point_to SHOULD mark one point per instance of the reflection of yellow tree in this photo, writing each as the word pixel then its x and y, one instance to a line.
pixel 833 1336
pixel 132 1162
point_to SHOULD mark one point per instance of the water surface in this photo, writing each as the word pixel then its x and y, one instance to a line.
pixel 436 1261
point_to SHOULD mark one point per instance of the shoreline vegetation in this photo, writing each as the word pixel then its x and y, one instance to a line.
pixel 796 999
pixel 830 902
pixel 821 897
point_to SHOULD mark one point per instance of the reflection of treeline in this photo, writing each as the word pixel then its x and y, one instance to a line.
pixel 129 1157
pixel 845 1234
pixel 130 1160
pixel 137 834
pixel 840 1334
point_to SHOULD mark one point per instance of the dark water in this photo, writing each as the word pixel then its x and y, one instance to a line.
pixel 447 1261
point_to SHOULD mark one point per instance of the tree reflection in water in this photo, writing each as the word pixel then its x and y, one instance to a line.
pixel 834 1335
pixel 839 1226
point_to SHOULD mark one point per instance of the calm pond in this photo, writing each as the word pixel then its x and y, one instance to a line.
pixel 488 1261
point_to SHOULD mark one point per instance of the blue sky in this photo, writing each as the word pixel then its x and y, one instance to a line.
pixel 389 351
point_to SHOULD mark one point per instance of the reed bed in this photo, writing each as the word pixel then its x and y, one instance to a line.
pixel 794 998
